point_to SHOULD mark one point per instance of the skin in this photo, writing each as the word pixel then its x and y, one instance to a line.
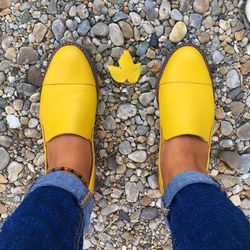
pixel 178 154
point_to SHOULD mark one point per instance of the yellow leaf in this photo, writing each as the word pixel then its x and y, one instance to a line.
pixel 117 74
pixel 128 71
pixel 126 61
pixel 134 73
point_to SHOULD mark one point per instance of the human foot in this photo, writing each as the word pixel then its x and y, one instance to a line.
pixel 182 153
pixel 70 151
pixel 67 112
pixel 186 105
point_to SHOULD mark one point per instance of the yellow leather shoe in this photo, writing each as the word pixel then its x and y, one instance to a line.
pixel 69 98
pixel 185 96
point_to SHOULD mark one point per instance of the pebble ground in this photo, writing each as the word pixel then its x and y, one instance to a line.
pixel 127 211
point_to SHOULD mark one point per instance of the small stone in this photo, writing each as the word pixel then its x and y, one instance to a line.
pixel 25 89
pixel 131 192
pixel 99 7
pixel 109 209
pixel 237 107
pixel 126 111
pixel 100 29
pixel 142 48
pixel 146 98
pixel 135 18
pixel 39 32
pixel 226 128
pixel 227 143
pixel 4 4
pixel 123 215
pixel 243 132
pixel 138 156
pixel 14 170
pixel 3 209
pixel 245 204
pixel 71 24
pixel 73 11
pixel 201 6
pixel 27 55
pixel 195 20
pixel 165 9
pixel 185 5
pixel 244 164
pixel 125 148
pixel 5 64
pixel 32 133
pixel 204 37
pixel 25 16
pixel 120 15
pixel 231 158
pixel 228 180
pixel 3 180
pixel 151 13
pixel 248 101
pixel 5 141
pixel 13 121
pixel 116 35
pixel 109 123
pixel 154 41
pixel 154 66
pixel 245 68
pixel 149 213
pixel 39 159
pixel 217 57
pixel 153 181
pixel 52 7
pixel 4 158
pixel 83 27
pixel 247 10
pixel 35 76
pixel 236 200
pixel 2 78
pixel 176 15
pixel 82 11
pixel 233 79
pixel 126 29
pixel 178 32
pixel 58 29
pixel 10 54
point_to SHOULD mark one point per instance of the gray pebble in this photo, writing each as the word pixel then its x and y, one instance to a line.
pixel 195 20
pixel 83 27
pixel 58 29
pixel 100 29
pixel 243 132
pixel 233 79
pixel 149 213
pixel 4 158
pixel 125 148
pixel 126 111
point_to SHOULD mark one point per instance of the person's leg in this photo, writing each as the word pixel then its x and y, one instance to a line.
pixel 56 211
pixel 202 217
pixel 198 213
pixel 49 218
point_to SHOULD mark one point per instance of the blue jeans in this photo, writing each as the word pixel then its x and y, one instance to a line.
pixel 55 215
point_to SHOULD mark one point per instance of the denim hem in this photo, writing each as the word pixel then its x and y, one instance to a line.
pixel 72 184
pixel 182 180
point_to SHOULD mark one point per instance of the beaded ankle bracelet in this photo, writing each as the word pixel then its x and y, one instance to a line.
pixel 70 170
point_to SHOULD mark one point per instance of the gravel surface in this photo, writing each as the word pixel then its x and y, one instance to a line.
pixel 127 211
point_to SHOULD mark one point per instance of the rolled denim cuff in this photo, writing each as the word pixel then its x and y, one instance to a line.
pixel 179 182
pixel 72 184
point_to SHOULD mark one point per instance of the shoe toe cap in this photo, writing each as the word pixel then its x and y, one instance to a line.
pixel 186 65
pixel 69 65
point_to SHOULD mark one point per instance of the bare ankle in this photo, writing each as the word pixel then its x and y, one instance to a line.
pixel 181 154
